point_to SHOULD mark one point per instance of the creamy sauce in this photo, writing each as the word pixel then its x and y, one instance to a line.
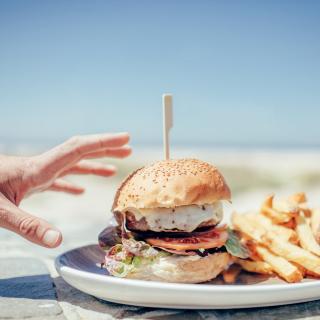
pixel 186 218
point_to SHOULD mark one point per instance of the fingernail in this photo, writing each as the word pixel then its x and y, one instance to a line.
pixel 51 238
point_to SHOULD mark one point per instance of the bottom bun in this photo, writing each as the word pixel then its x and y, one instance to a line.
pixel 183 269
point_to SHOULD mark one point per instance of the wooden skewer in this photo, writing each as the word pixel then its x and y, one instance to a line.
pixel 167 123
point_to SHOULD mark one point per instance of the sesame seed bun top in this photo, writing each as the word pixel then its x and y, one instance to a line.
pixel 172 183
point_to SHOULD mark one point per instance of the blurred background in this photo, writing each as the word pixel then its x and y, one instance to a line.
pixel 245 77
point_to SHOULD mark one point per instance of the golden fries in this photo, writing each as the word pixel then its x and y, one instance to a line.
pixel 307 211
pixel 307 240
pixel 255 266
pixel 285 206
pixel 241 223
pixel 255 225
pixel 281 231
pixel 230 275
pixel 281 266
pixel 302 270
pixel 299 197
pixel 291 224
pixel 275 215
pixel 293 253
pixel 284 238
pixel 315 224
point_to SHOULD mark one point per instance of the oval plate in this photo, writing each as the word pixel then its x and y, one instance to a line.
pixel 81 269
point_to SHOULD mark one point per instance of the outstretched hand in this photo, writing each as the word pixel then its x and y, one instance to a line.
pixel 21 176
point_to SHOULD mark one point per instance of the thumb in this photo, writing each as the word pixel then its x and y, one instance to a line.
pixel 28 226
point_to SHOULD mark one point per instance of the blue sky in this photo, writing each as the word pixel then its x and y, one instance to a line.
pixel 242 72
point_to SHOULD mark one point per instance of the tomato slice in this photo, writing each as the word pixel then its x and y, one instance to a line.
pixel 212 239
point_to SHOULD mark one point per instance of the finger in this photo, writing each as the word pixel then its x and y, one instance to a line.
pixel 71 151
pixel 28 226
pixel 114 153
pixel 65 186
pixel 76 147
pixel 90 143
pixel 90 167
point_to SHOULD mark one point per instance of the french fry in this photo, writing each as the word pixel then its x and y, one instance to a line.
pixel 315 224
pixel 241 223
pixel 292 252
pixel 230 275
pixel 255 266
pixel 299 197
pixel 291 224
pixel 280 265
pixel 311 274
pixel 281 231
pixel 286 207
pixel 243 236
pixel 274 215
pixel 251 245
pixel 306 237
pixel 300 200
pixel 302 270
pixel 255 225
pixel 304 208
pixel 308 220
pixel 285 233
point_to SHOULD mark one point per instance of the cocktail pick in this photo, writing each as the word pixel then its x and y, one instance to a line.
pixel 167 123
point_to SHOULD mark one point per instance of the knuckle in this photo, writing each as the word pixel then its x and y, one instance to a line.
pixel 74 144
pixel 74 140
pixel 31 166
pixel 28 226
pixel 4 217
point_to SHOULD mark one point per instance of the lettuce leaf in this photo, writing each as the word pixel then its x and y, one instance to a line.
pixel 124 258
pixel 235 247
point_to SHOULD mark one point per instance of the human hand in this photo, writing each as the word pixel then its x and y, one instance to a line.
pixel 21 176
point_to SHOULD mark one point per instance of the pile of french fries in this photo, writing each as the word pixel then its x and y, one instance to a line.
pixel 283 239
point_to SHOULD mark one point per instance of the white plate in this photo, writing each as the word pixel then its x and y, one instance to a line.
pixel 80 268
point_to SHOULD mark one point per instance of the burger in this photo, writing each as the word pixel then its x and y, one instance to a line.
pixel 167 229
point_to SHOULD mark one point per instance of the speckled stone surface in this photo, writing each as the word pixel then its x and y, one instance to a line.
pixel 27 290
